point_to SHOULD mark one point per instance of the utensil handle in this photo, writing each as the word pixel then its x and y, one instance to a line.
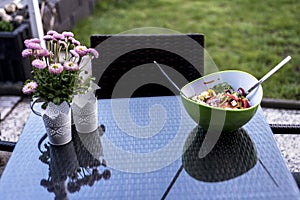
pixel 170 80
pixel 283 62
pixel 275 69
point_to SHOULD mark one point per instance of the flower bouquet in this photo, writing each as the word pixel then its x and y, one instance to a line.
pixel 59 74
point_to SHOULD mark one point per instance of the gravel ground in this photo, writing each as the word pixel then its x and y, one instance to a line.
pixel 288 144
pixel 13 124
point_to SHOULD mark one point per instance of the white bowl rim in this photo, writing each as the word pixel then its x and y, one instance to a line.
pixel 223 109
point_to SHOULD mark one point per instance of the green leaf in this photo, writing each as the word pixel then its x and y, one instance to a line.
pixel 44 105
pixel 56 100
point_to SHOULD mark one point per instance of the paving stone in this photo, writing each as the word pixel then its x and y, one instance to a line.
pixel 6 104
pixel 4 157
pixel 12 126
pixel 9 101
pixel 4 112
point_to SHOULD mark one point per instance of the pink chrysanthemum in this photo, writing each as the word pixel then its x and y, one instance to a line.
pixel 26 53
pixel 73 52
pixel 70 39
pixel 58 36
pixel 37 63
pixel 71 66
pixel 33 45
pixel 75 42
pixel 68 34
pixel 27 41
pixel 35 40
pixel 42 53
pixel 62 43
pixel 48 37
pixel 81 50
pixel 30 87
pixel 94 52
pixel 56 68
pixel 51 32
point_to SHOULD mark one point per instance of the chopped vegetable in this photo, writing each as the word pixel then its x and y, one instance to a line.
pixel 223 96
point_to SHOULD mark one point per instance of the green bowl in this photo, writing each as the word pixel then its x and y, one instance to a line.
pixel 212 118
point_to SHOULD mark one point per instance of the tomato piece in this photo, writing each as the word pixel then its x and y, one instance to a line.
pixel 246 103
pixel 241 91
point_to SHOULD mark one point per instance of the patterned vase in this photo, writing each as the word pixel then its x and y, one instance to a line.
pixel 57 121
pixel 85 112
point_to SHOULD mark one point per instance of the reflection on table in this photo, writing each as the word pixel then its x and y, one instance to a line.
pixel 233 155
pixel 74 165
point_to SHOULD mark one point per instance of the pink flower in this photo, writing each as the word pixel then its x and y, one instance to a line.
pixel 33 40
pixel 73 52
pixel 58 36
pixel 26 53
pixel 56 68
pixel 51 32
pixel 48 37
pixel 68 34
pixel 94 52
pixel 81 50
pixel 37 63
pixel 70 39
pixel 33 45
pixel 30 87
pixel 62 43
pixel 58 63
pixel 42 53
pixel 26 41
pixel 71 66
pixel 75 42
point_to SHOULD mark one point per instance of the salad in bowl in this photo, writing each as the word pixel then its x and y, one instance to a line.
pixel 218 100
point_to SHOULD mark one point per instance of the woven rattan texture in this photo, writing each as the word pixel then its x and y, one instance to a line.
pixel 142 148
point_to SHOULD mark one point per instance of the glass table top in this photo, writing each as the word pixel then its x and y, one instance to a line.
pixel 148 148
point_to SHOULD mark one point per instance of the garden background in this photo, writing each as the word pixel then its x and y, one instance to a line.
pixel 248 35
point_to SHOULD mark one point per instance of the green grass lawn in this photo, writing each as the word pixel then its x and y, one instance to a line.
pixel 249 35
